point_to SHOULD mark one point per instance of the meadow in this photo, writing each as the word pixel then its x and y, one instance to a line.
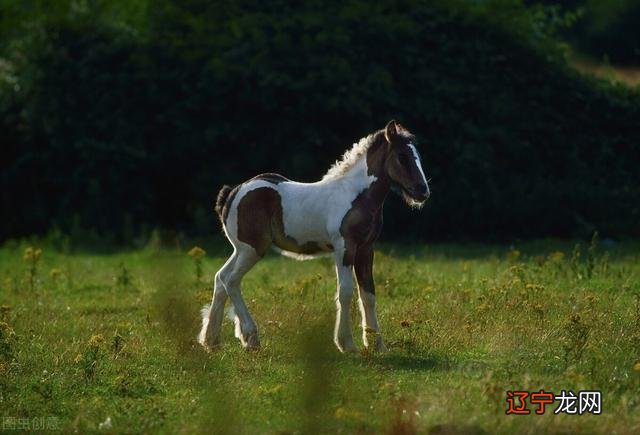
pixel 106 341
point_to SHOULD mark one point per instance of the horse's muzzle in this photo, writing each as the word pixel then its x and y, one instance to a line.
pixel 420 193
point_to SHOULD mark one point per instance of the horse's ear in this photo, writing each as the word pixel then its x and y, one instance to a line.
pixel 391 130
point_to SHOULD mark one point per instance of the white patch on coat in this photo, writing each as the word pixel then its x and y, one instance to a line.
pixel 313 212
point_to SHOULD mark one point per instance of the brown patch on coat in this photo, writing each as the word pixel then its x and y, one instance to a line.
pixel 362 223
pixel 255 215
pixel 260 223
pixel 227 194
pixel 363 268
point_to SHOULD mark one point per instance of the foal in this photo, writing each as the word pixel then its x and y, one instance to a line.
pixel 342 214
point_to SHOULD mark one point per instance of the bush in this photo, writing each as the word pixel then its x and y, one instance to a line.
pixel 603 29
pixel 610 30
pixel 116 127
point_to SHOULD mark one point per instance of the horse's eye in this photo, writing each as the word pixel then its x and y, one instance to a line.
pixel 404 159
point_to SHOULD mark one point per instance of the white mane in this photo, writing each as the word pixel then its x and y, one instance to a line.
pixel 349 158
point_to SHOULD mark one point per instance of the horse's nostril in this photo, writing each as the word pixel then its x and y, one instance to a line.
pixel 425 192
pixel 420 192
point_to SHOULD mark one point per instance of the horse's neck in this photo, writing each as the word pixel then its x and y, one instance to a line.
pixel 356 177
pixel 360 179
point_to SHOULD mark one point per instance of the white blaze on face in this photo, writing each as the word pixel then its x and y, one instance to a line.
pixel 418 164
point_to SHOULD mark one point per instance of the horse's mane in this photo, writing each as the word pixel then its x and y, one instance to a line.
pixel 351 156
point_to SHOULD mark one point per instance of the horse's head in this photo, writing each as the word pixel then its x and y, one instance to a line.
pixel 404 167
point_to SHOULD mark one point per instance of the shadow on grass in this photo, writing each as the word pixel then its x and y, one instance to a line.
pixel 398 361
pixel 109 310
pixel 424 362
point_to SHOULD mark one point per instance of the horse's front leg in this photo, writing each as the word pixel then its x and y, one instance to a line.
pixel 367 297
pixel 344 272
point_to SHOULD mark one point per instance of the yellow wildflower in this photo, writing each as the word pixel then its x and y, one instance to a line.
pixel 343 413
pixel 31 254
pixel 96 340
pixel 55 273
pixel 513 255
pixel 197 252
pixel 556 257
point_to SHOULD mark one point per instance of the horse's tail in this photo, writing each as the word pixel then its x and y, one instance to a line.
pixel 221 200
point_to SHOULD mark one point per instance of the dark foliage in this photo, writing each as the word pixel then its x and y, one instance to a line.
pixel 613 34
pixel 603 29
pixel 119 128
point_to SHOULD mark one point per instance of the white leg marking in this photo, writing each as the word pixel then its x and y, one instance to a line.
pixel 342 333
pixel 370 328
pixel 205 312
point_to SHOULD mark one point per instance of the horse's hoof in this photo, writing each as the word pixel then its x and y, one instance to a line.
pixel 252 342
pixel 213 342
pixel 347 348
pixel 382 348
pixel 208 344
pixel 372 336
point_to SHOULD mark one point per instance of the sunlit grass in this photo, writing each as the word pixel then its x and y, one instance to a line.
pixel 89 337
pixel 629 75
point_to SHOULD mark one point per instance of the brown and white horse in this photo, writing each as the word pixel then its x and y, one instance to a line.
pixel 340 214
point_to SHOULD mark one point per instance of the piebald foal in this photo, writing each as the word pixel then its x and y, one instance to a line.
pixel 342 213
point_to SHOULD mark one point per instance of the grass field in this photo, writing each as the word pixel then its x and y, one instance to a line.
pixel 108 341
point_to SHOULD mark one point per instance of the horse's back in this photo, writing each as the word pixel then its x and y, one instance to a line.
pixel 271 177
pixel 270 208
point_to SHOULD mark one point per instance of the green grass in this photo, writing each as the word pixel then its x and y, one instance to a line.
pixel 97 336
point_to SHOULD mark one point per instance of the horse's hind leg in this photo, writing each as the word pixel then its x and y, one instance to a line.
pixel 248 226
pixel 242 260
pixel 213 314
